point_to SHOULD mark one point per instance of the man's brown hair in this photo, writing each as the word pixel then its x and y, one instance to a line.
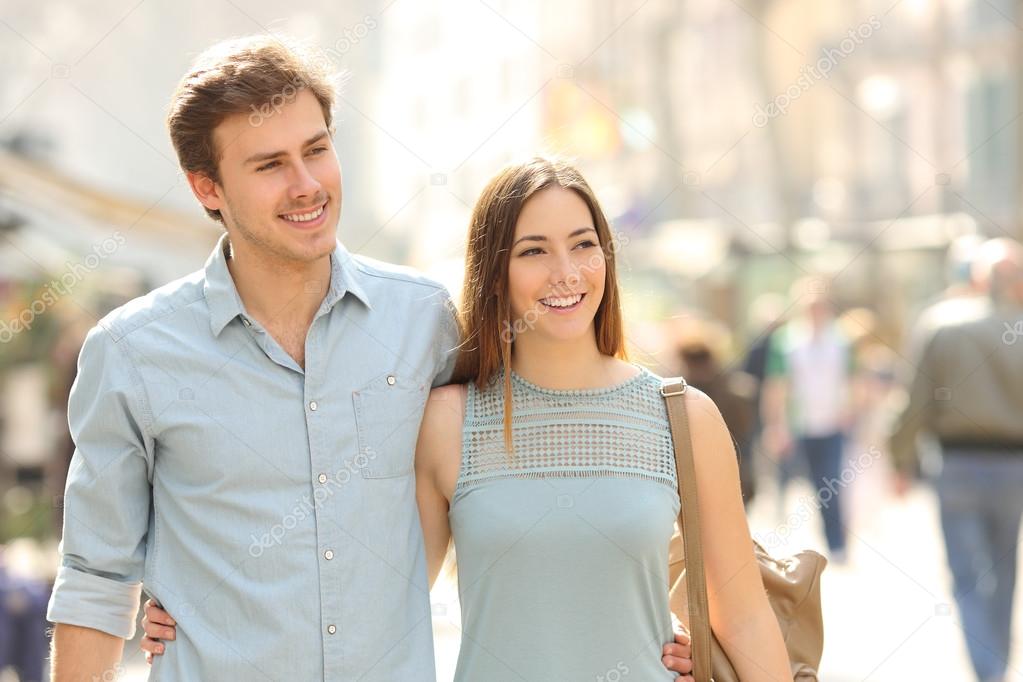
pixel 256 75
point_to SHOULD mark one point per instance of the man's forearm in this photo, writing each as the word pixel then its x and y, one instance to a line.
pixel 84 655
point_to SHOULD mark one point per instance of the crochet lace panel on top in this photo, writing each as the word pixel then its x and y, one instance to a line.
pixel 620 431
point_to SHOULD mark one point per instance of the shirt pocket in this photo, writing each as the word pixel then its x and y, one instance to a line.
pixel 388 411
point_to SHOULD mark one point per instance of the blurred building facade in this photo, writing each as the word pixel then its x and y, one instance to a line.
pixel 856 139
pixel 736 146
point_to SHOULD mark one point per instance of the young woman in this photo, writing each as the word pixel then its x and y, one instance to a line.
pixel 551 465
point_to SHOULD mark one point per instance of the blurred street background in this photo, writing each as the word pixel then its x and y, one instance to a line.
pixel 742 148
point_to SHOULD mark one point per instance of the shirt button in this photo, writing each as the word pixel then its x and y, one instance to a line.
pixel 331 629
pixel 328 555
pixel 322 478
pixel 313 406
pixel 390 380
pixel 246 322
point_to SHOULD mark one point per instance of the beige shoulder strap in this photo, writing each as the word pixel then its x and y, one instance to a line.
pixel 674 390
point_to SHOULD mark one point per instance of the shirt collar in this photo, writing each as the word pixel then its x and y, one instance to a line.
pixel 225 304
pixel 345 276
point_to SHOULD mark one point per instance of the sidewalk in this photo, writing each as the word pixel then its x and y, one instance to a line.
pixel 889 614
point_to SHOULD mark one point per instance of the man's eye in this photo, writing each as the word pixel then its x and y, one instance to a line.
pixel 268 166
pixel 318 150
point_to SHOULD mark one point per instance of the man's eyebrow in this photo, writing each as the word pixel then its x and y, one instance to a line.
pixel 541 238
pixel 266 156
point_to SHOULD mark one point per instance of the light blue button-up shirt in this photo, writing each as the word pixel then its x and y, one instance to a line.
pixel 270 509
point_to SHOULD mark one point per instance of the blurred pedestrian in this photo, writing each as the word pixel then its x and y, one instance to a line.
pixel 807 401
pixel 767 315
pixel 22 625
pixel 968 392
pixel 701 352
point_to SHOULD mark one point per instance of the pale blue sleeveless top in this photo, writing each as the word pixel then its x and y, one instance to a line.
pixel 562 549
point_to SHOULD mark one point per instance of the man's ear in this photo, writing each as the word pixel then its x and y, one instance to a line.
pixel 205 190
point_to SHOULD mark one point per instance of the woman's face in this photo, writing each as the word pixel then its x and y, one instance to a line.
pixel 557 268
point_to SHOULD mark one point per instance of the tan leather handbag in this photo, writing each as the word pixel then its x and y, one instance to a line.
pixel 793 584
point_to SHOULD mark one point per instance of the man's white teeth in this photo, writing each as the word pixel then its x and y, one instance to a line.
pixel 304 217
pixel 562 302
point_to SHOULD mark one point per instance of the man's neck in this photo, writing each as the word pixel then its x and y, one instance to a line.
pixel 279 292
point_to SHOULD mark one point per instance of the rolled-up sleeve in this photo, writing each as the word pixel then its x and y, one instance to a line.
pixel 108 492
pixel 447 342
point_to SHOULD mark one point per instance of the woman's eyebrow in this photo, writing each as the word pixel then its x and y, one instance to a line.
pixel 541 238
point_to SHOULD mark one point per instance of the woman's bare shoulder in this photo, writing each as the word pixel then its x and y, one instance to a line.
pixel 446 405
pixel 701 407
pixel 439 450
pixel 713 448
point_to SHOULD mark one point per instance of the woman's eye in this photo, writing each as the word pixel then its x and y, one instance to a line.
pixel 530 252
pixel 585 244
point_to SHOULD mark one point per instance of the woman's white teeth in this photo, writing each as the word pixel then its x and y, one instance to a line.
pixel 562 302
pixel 304 217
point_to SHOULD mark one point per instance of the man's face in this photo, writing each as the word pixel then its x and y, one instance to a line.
pixel 280 182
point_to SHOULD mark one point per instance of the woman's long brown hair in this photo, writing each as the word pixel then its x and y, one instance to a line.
pixel 486 305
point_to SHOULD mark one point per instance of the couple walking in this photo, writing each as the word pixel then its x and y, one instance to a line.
pixel 280 447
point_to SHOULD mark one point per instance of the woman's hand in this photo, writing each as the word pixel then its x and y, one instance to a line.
pixel 678 656
pixel 158 625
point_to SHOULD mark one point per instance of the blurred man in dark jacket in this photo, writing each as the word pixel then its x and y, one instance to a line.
pixel 968 392
pixel 732 391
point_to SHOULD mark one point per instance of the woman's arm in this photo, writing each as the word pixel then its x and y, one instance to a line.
pixel 740 615
pixel 438 459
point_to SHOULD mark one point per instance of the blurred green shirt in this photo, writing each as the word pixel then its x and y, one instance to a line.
pixel 817 370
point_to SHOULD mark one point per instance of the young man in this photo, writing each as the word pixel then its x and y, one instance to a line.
pixel 245 435
pixel 808 403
